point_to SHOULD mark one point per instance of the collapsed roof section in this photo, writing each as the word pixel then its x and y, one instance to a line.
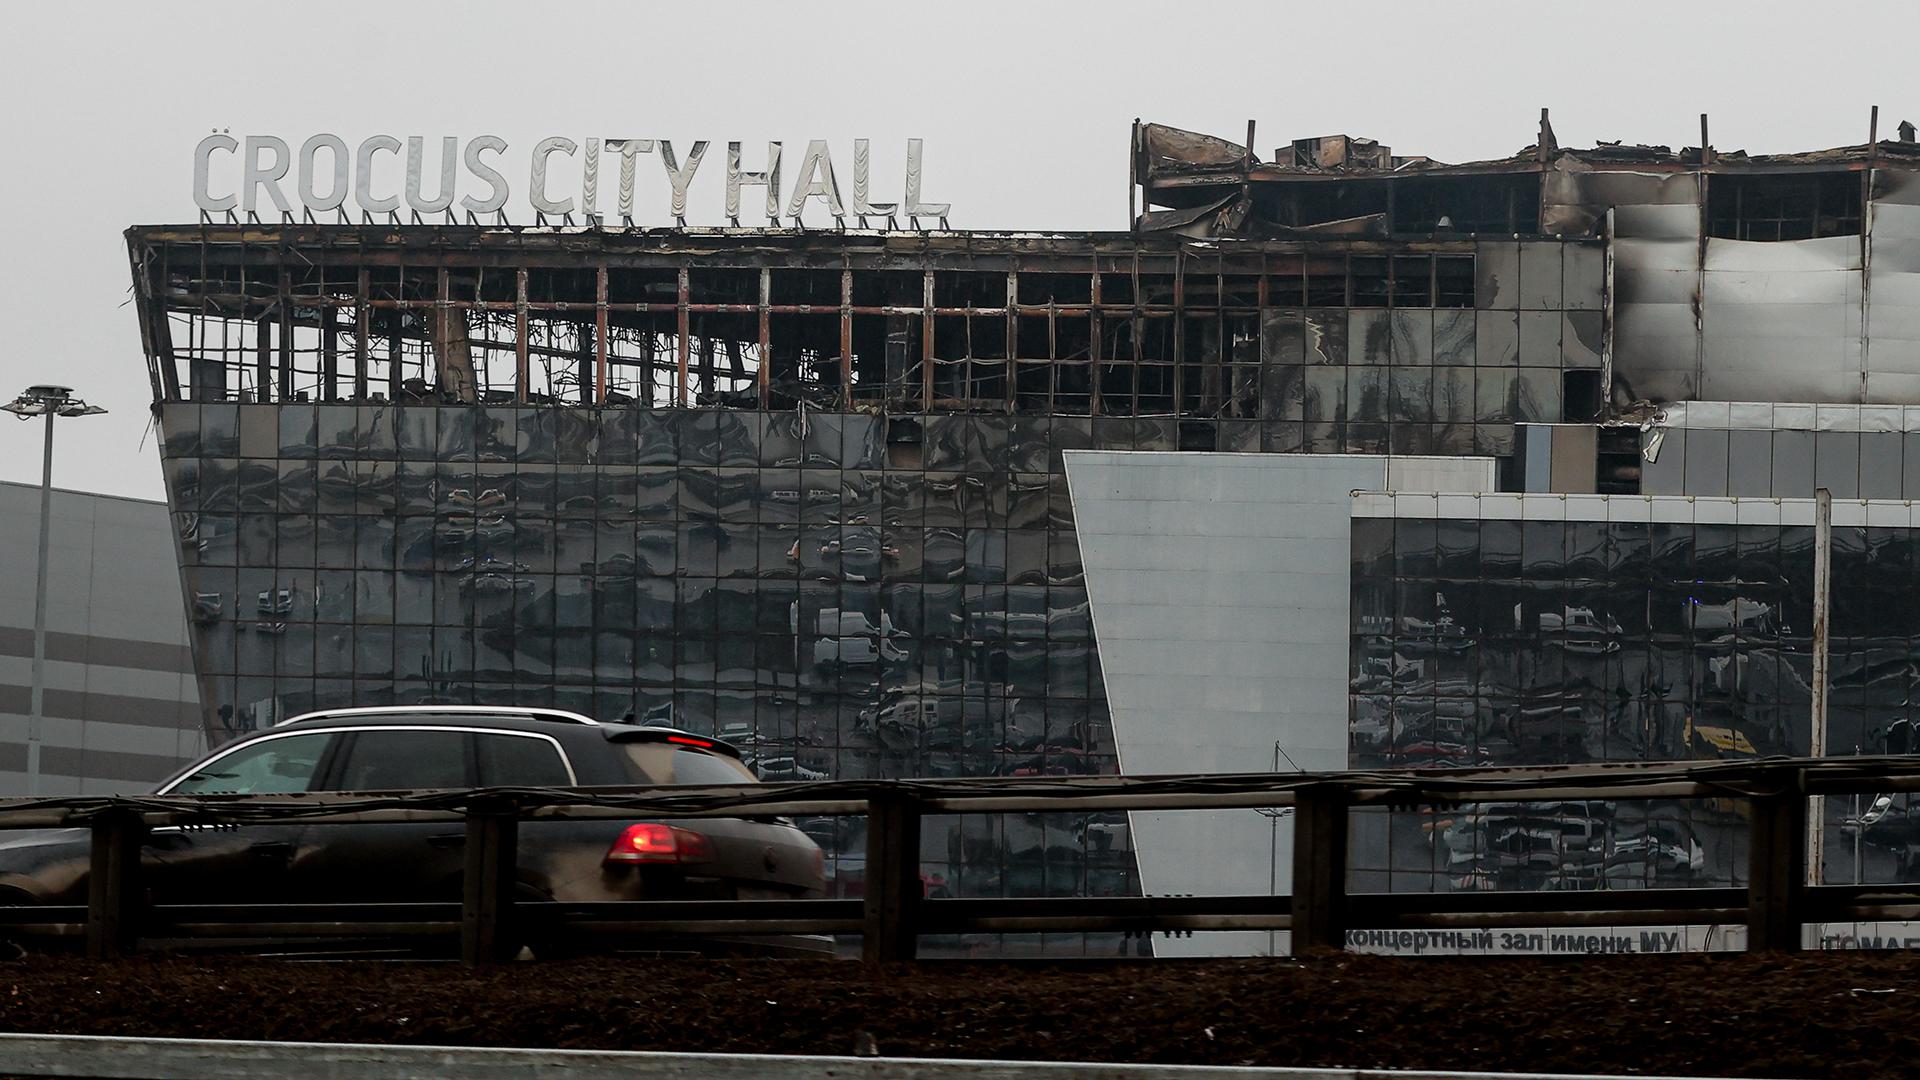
pixel 1340 185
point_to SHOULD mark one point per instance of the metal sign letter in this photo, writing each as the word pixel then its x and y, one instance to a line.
pixel 816 178
pixel 485 172
pixel 257 176
pixel 202 165
pixel 363 175
pixel 336 195
pixel 449 174
pixel 916 208
pixel 736 180
pixel 862 186
pixel 679 177
pixel 629 150
pixel 537 190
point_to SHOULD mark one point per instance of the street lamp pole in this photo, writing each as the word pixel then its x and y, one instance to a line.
pixel 47 401
pixel 37 703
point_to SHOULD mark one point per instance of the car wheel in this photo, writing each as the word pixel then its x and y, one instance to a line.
pixel 543 943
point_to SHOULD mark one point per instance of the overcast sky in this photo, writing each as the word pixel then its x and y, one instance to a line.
pixel 1024 108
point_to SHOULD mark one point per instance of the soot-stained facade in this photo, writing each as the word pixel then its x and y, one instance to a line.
pixel 801 491
pixel 805 489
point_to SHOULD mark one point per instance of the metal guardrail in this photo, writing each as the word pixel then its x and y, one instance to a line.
pixel 101 1058
pixel 893 914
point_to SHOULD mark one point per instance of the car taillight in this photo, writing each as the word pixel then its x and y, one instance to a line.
pixel 656 843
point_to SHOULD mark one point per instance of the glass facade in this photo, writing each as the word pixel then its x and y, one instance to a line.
pixel 804 493
pixel 836 602
pixel 1479 641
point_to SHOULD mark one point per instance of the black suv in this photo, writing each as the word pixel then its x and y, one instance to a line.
pixel 429 747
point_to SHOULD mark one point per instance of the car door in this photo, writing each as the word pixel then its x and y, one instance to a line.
pixel 393 862
pixel 236 864
pixel 553 853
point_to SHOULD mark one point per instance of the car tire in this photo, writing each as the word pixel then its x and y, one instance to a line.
pixel 543 944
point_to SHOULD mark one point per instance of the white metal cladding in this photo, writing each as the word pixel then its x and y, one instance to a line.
pixel 1749 449
pixel 1782 319
pixel 1678 509
pixel 1893 284
pixel 1656 228
pixel 1822 319
pixel 1219 592
pixel 1787 416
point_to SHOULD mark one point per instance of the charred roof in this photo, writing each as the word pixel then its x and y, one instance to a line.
pixel 1163 152
pixel 1342 185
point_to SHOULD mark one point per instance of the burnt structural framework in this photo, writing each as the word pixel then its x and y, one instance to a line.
pixel 803 491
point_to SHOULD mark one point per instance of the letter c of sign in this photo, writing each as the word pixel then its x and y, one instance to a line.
pixel 363 175
pixel 202 166
pixel 537 190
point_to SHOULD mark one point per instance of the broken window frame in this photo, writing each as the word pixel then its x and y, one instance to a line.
pixel 1771 207
pixel 1084 328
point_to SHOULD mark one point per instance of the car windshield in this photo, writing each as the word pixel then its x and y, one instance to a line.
pixel 664 763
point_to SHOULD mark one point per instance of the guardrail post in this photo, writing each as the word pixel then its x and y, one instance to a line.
pixel 487 895
pixel 893 878
pixel 1319 868
pixel 113 883
pixel 1777 866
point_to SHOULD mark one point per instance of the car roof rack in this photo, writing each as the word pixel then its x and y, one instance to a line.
pixel 444 710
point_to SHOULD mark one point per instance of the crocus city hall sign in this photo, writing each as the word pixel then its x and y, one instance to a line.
pixel 563 178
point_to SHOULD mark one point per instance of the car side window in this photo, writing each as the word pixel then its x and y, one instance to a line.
pixel 395 760
pixel 267 767
pixel 520 761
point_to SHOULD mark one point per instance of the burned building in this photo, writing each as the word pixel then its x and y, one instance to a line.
pixel 1732 277
pixel 810 490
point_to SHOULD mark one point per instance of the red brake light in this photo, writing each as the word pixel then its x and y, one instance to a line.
pixel 687 741
pixel 656 843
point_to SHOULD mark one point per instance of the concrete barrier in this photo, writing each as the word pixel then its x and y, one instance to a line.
pixel 106 1058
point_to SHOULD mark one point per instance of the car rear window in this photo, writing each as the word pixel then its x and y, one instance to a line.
pixel 663 763
pixel 520 761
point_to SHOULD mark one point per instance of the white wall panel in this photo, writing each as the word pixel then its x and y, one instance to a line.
pixel 1218 585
